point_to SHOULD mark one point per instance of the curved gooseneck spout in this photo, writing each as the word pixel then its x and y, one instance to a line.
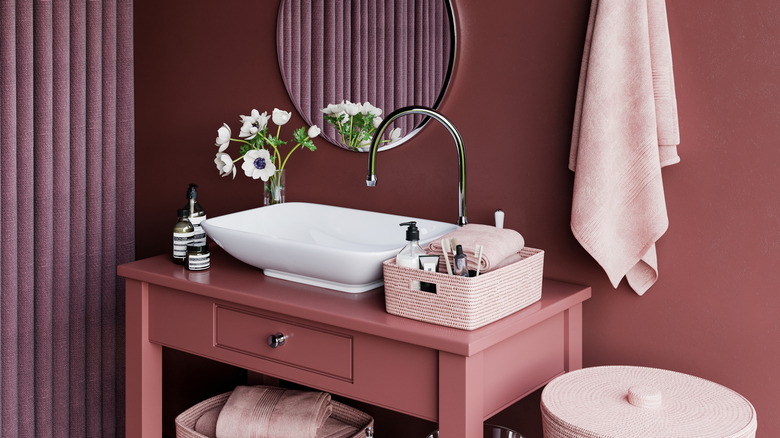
pixel 371 179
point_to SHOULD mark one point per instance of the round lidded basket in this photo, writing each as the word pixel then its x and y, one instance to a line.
pixel 626 401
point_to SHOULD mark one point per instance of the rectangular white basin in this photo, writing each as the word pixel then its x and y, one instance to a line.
pixel 332 247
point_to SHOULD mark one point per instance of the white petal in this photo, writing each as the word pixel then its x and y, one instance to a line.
pixel 262 121
pixel 314 131
pixel 218 162
pixel 225 164
pixel 248 167
pixel 371 109
pixel 245 129
pixel 351 108
pixel 281 117
pixel 223 137
pixel 333 109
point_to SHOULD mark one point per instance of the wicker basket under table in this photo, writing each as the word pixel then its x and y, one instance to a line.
pixel 466 303
pixel 185 422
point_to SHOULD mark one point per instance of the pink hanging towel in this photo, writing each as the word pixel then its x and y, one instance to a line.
pixel 625 131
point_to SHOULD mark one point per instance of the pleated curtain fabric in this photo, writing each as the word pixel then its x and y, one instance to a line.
pixel 66 214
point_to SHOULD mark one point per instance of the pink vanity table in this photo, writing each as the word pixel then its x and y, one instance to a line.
pixel 341 343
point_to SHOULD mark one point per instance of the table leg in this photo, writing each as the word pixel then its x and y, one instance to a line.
pixel 143 397
pixel 573 338
pixel 460 395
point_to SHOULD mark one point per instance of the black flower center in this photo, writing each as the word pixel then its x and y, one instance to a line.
pixel 260 163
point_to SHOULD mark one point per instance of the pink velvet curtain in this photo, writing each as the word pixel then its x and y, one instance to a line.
pixel 393 53
pixel 66 214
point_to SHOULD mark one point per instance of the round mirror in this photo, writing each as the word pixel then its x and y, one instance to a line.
pixel 389 53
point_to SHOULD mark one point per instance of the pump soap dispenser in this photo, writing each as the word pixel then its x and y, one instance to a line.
pixel 410 255
pixel 197 215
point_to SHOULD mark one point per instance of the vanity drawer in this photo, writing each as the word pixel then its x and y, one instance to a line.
pixel 305 347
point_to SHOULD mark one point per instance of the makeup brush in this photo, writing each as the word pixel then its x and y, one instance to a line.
pixel 478 251
pixel 445 248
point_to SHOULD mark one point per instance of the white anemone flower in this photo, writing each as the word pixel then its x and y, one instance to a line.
pixel 223 137
pixel 377 121
pixel 351 108
pixel 395 134
pixel 314 131
pixel 258 164
pixel 367 108
pixel 332 109
pixel 225 164
pixel 248 130
pixel 250 125
pixel 281 117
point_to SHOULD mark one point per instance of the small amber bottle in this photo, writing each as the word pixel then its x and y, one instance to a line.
pixel 198 257
pixel 182 236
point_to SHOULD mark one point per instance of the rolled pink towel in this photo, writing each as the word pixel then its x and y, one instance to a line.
pixel 261 411
pixel 206 425
pixel 497 244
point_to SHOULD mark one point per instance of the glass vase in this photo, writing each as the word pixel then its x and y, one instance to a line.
pixel 274 188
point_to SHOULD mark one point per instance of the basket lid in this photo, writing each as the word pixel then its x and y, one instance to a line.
pixel 625 401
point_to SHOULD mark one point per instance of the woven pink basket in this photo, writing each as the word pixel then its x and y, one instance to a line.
pixel 629 402
pixel 465 303
pixel 185 422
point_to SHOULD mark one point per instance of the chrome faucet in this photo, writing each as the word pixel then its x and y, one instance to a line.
pixel 371 179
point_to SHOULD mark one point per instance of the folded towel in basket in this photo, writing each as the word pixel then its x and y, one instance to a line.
pixel 258 411
pixel 497 244
pixel 206 424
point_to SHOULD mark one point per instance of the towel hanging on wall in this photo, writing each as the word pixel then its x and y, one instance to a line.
pixel 625 131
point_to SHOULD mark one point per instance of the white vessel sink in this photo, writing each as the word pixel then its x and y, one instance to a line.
pixel 321 245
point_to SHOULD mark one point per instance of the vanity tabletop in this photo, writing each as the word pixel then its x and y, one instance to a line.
pixel 233 281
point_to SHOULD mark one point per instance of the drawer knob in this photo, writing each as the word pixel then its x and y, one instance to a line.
pixel 276 340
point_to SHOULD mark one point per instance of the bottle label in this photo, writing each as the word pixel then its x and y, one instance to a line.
pixel 196 220
pixel 198 262
pixel 199 238
pixel 180 242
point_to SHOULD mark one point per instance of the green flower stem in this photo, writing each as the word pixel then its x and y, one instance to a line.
pixel 288 156
pixel 278 157
pixel 240 140
pixel 349 143
pixel 341 131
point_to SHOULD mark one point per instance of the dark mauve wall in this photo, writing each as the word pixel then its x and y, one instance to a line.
pixel 713 312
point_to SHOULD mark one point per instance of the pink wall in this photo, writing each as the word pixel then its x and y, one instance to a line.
pixel 713 312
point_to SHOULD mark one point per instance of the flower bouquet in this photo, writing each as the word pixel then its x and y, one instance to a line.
pixel 261 150
pixel 356 123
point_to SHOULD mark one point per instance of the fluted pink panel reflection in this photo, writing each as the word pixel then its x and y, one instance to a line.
pixel 392 53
